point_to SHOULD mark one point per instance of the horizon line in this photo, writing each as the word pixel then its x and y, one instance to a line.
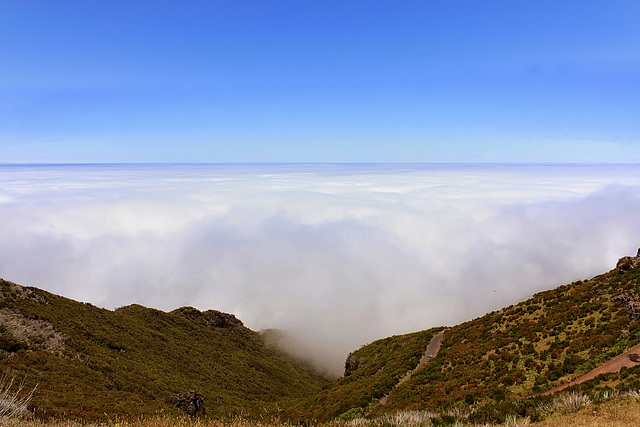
pixel 507 163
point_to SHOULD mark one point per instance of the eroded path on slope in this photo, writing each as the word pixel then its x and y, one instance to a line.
pixel 628 359
pixel 432 351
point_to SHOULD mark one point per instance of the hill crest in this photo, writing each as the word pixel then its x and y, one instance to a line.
pixel 91 363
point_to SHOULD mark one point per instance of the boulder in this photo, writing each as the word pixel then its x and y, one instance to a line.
pixel 192 403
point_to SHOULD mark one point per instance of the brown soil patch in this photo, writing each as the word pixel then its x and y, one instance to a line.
pixel 628 359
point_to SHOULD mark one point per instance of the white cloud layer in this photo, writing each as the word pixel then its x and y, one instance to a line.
pixel 338 255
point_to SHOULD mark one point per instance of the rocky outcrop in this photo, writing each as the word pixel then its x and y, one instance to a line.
pixel 628 262
pixel 630 299
pixel 192 403
pixel 213 318
pixel 352 364
pixel 11 291
pixel 20 332
pixel 631 302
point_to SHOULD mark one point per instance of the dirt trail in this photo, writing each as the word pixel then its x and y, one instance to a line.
pixel 432 351
pixel 628 359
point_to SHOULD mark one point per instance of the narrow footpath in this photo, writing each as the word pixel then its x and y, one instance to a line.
pixel 628 359
pixel 432 351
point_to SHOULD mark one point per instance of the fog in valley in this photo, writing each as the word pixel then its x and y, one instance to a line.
pixel 337 255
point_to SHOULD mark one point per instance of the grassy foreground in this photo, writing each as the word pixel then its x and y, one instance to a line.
pixel 617 412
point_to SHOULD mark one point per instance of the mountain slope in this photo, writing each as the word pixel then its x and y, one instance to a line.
pixel 517 352
pixel 371 372
pixel 90 362
pixel 529 347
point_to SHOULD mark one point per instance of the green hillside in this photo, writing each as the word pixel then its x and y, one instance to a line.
pixel 92 363
pixel 515 353
pixel 371 372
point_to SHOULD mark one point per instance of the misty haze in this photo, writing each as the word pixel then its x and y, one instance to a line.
pixel 337 255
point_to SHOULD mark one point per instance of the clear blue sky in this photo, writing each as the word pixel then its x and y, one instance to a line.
pixel 235 81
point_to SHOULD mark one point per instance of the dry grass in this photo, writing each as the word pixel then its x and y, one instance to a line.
pixel 178 422
pixel 613 414
pixel 403 418
pixel 620 412
pixel 13 402
pixel 567 404
pixel 577 410
pixel 151 422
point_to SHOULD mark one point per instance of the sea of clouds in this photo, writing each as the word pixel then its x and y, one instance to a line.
pixel 338 255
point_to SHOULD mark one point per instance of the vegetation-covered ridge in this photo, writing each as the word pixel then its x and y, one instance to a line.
pixel 508 355
pixel 93 363
pixel 371 372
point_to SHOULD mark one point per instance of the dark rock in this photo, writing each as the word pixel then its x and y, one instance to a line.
pixel 192 403
pixel 628 262
pixel 218 319
pixel 352 363
pixel 625 264
pixel 213 318
pixel 631 302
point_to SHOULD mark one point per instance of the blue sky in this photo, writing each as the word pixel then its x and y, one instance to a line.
pixel 328 81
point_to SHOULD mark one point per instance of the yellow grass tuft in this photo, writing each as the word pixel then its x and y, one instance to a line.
pixel 620 412
pixel 614 414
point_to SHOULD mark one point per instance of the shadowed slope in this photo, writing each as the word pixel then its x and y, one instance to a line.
pixel 91 362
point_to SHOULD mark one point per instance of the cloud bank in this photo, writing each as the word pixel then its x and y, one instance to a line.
pixel 338 255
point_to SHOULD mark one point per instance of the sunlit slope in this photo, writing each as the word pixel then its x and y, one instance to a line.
pixel 530 347
pixel 90 362
pixel 517 352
